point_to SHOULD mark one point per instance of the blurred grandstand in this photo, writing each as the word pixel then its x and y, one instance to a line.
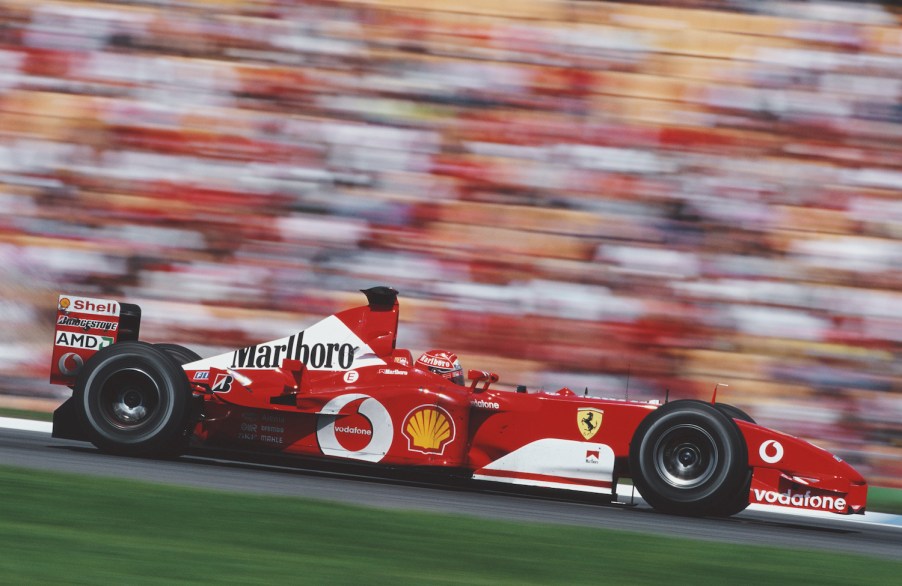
pixel 625 197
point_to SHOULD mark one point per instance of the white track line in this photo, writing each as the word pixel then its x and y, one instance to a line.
pixel 26 424
pixel 868 518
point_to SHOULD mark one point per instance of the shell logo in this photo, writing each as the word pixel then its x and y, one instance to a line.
pixel 428 429
pixel 65 303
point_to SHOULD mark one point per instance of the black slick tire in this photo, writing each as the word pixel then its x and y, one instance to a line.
pixel 733 412
pixel 741 501
pixel 689 458
pixel 134 400
pixel 180 354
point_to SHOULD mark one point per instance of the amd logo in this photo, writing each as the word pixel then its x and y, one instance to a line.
pixel 87 341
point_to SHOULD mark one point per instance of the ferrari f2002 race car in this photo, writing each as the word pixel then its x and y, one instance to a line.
pixel 340 389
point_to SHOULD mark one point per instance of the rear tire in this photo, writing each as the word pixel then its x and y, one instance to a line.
pixel 180 354
pixel 688 458
pixel 134 400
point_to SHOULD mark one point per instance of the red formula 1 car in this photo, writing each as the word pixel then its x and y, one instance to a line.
pixel 341 390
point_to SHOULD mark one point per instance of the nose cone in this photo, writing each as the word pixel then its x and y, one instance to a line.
pixel 786 464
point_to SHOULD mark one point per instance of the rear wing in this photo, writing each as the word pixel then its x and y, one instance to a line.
pixel 84 325
pixel 350 339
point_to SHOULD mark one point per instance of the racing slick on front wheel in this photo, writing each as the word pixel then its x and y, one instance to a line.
pixel 134 399
pixel 689 458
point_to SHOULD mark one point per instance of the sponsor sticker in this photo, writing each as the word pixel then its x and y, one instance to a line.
pixel 393 371
pixel 327 345
pixel 88 305
pixel 86 341
pixel 428 429
pixel 351 376
pixel 803 500
pixel 771 451
pixel 588 420
pixel 436 361
pixel 87 324
pixel 481 404
pixel 355 426
pixel 319 356
pixel 223 383
pixel 353 430
pixel 592 456
pixel 202 375
pixel 70 363
pixel 267 428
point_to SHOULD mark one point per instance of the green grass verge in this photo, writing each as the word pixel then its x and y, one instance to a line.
pixel 64 529
pixel 885 500
pixel 26 414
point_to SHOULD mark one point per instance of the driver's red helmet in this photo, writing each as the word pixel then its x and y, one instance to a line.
pixel 442 363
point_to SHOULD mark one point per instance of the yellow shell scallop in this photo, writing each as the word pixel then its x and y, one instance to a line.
pixel 428 429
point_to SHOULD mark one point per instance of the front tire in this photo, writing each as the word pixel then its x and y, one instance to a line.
pixel 689 458
pixel 733 412
pixel 134 400
pixel 741 500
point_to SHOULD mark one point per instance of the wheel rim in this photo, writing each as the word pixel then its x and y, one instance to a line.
pixel 686 456
pixel 128 399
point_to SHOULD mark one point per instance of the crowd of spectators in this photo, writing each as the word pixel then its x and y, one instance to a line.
pixel 629 198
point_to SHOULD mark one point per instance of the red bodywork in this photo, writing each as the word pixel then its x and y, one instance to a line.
pixel 340 389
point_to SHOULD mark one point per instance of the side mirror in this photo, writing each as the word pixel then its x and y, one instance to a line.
pixel 478 376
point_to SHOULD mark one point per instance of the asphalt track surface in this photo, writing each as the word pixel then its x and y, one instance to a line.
pixel 824 532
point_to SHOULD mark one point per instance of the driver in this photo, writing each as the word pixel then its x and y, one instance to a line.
pixel 442 363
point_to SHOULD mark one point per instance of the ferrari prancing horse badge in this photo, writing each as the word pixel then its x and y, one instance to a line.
pixel 589 421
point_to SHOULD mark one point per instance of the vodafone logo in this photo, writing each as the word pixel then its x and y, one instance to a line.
pixel 800 499
pixel 70 363
pixel 355 426
pixel 771 451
